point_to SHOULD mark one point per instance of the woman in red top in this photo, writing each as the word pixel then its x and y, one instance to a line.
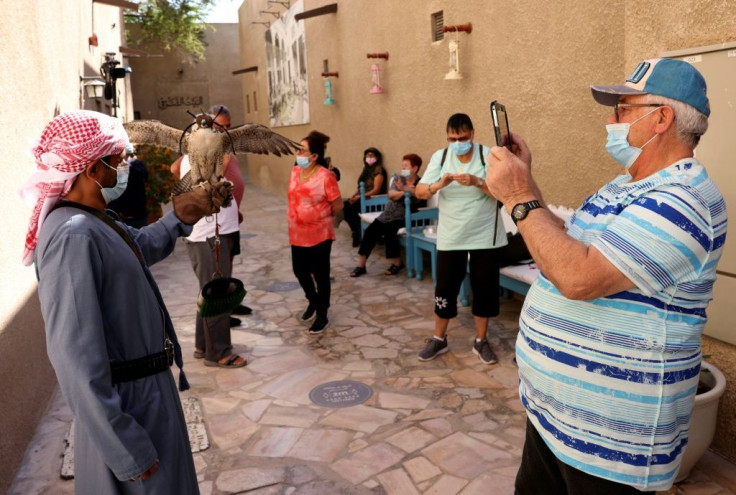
pixel 314 199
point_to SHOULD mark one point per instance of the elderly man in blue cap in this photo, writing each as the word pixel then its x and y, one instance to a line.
pixel 609 342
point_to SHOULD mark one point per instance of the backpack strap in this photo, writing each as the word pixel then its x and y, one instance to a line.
pixel 482 159
pixel 444 155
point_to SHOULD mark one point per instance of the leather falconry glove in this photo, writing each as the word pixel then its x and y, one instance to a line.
pixel 201 201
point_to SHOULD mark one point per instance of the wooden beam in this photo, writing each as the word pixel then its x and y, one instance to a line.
pixel 326 9
pixel 134 52
pixel 123 4
pixel 247 69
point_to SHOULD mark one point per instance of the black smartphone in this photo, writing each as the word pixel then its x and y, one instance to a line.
pixel 500 124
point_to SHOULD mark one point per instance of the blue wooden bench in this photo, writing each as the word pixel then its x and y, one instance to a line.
pixel 416 223
pixel 371 208
pixel 373 205
pixel 517 278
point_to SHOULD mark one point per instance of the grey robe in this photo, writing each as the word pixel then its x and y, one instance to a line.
pixel 100 305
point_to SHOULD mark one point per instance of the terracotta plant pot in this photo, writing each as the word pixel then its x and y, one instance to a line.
pixel 703 419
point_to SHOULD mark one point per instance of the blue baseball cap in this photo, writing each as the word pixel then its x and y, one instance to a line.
pixel 660 76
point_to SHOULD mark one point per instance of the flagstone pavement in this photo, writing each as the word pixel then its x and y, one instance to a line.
pixel 449 426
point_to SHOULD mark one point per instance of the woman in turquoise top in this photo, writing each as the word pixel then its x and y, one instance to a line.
pixel 468 229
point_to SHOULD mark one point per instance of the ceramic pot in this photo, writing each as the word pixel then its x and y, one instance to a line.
pixel 703 419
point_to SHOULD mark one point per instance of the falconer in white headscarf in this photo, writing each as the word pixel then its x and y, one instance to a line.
pixel 68 144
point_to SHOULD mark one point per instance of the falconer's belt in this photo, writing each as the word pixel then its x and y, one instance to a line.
pixel 134 369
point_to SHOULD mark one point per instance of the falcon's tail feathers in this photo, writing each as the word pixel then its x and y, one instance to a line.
pixel 183 185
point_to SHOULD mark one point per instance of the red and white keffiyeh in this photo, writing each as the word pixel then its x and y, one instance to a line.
pixel 68 144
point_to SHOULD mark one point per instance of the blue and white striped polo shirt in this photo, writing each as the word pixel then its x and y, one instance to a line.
pixel 609 383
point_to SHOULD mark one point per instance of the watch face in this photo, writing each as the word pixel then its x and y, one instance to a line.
pixel 518 212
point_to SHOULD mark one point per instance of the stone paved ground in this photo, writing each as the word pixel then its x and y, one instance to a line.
pixel 448 426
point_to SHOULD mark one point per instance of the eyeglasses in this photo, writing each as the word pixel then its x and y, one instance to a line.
pixel 461 139
pixel 303 151
pixel 619 106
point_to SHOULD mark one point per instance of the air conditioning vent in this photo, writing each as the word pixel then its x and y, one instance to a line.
pixel 438 21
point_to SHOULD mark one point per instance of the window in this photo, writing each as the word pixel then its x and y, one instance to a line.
pixel 247 103
pixel 255 102
pixel 438 21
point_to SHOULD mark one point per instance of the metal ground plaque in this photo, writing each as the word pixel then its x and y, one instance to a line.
pixel 342 393
pixel 282 286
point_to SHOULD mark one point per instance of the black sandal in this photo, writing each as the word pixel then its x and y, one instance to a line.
pixel 358 271
pixel 394 269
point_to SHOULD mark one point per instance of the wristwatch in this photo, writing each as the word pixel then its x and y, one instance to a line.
pixel 521 210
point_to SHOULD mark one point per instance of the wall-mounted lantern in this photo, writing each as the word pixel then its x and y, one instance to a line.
pixel 376 88
pixel 454 46
pixel 328 93
pixel 93 87
pixel 328 87
pixel 454 72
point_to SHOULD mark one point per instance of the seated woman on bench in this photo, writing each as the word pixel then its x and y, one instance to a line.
pixel 392 218
pixel 374 178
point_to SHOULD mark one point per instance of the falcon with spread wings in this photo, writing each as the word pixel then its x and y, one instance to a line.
pixel 206 145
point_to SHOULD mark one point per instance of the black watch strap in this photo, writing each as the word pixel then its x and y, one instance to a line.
pixel 521 210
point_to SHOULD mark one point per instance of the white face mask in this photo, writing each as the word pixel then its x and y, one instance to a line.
pixel 405 172
pixel 113 193
pixel 617 143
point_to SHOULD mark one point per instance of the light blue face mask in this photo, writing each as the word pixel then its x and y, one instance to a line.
pixel 617 143
pixel 405 172
pixel 113 193
pixel 302 161
pixel 461 147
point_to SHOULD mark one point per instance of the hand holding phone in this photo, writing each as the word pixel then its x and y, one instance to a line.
pixel 465 179
pixel 501 125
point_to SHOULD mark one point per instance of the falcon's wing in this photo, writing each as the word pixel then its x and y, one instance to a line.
pixel 155 133
pixel 256 138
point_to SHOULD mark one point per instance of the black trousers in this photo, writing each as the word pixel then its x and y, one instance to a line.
pixel 350 212
pixel 375 231
pixel 310 265
pixel 451 269
pixel 542 473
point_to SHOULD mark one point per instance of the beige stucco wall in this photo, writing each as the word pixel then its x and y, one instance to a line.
pixel 43 52
pixel 538 58
pixel 166 86
pixel 546 94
